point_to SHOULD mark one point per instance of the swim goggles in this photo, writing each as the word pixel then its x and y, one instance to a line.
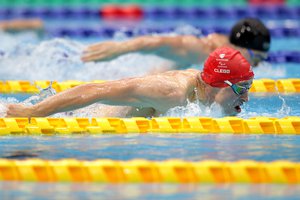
pixel 237 89
pixel 256 57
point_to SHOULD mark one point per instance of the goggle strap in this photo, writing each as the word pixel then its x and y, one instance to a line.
pixel 228 82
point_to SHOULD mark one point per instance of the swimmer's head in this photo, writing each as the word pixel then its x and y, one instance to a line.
pixel 252 34
pixel 229 76
pixel 226 64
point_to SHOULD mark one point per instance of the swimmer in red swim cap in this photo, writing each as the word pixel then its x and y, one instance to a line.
pixel 225 80
pixel 227 67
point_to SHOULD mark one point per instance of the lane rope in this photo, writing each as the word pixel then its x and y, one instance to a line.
pixel 158 125
pixel 291 85
pixel 144 171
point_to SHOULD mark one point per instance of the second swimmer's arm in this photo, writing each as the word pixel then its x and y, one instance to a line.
pixel 181 49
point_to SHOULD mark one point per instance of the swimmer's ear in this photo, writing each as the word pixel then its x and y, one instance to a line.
pixel 202 83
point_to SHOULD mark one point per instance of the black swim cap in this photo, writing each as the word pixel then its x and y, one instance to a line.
pixel 251 33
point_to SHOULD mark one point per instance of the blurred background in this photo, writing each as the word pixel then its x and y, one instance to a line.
pixel 44 40
pixel 59 30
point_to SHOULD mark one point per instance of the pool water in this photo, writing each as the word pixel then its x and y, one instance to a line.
pixel 189 147
pixel 29 56
pixel 78 191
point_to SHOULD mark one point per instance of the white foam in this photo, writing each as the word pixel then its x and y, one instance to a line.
pixel 3 104
pixel 3 110
pixel 194 109
pixel 59 59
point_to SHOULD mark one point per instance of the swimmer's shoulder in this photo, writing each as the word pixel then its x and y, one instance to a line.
pixel 212 37
pixel 216 36
pixel 218 40
pixel 192 71
pixel 186 72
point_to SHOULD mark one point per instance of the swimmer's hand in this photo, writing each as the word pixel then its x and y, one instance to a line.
pixel 103 51
pixel 18 110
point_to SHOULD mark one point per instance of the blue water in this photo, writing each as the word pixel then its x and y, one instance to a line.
pixel 28 56
pixel 190 147
pixel 272 105
pixel 78 191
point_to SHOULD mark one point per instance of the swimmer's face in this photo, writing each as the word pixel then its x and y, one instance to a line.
pixel 230 101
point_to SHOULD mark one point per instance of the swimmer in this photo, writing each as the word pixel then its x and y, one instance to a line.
pixel 21 25
pixel 225 80
pixel 250 36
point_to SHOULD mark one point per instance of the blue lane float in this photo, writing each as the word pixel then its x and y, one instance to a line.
pixel 277 12
pixel 284 57
pixel 110 31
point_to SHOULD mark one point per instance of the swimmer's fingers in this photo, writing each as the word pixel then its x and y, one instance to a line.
pixel 94 47
pixel 86 56
pixel 101 54
pixel 98 56
pixel 17 110
pixel 91 56
pixel 91 53
pixel 10 110
pixel 100 45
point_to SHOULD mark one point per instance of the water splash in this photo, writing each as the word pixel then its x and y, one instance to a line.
pixel 90 111
pixel 60 59
pixel 43 94
pixel 51 59
pixel 3 104
pixel 285 110
pixel 12 42
pixel 186 29
pixel 195 109
pixel 3 110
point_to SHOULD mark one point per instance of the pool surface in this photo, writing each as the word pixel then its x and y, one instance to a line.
pixel 55 55
pixel 13 190
pixel 159 147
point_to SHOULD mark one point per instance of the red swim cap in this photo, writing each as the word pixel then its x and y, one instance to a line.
pixel 226 64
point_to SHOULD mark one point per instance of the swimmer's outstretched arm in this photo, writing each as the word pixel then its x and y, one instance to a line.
pixel 184 50
pixel 137 92
pixel 21 24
